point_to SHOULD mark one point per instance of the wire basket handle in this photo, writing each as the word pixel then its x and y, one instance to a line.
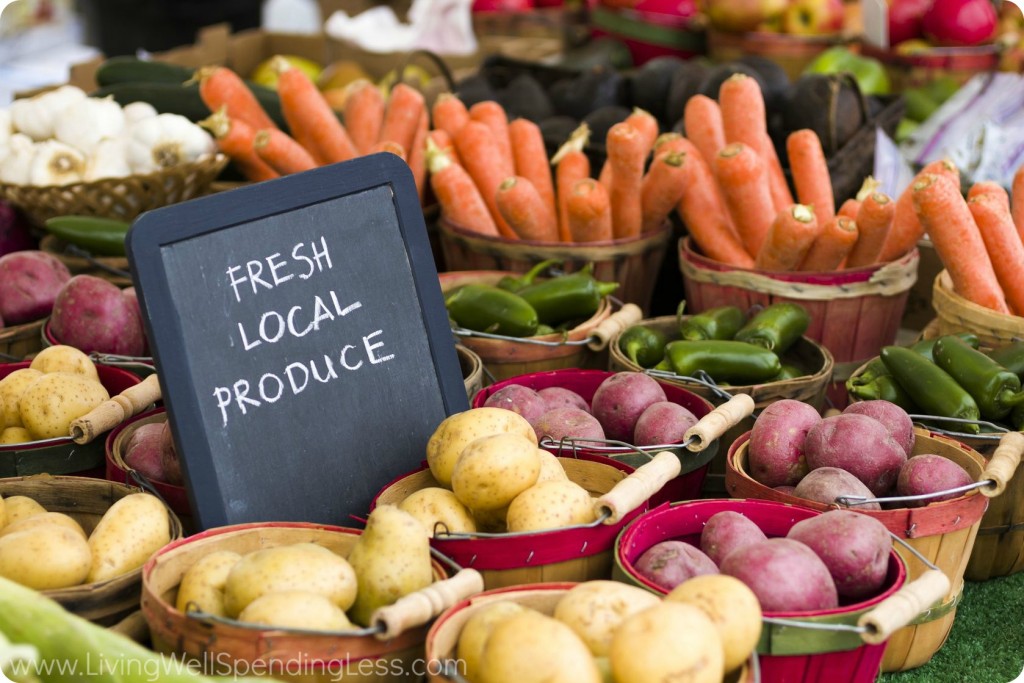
pixel 619 321
pixel 1003 464
pixel 116 410
pixel 903 606
pixel 420 607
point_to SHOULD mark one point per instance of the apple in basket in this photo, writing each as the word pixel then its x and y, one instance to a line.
pixel 813 17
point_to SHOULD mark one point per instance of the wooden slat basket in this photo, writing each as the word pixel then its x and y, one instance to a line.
pixel 955 314
pixel 20 341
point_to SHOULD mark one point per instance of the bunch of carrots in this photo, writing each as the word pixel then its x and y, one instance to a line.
pixel 262 151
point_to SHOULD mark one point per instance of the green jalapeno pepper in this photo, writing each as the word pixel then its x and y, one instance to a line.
pixel 544 329
pixel 882 388
pixel 995 389
pixel 484 308
pixel 514 284
pixel 872 371
pixel 663 365
pixel 644 346
pixel 926 347
pixel 722 322
pixel 577 295
pixel 930 387
pixel 98 236
pixel 776 328
pixel 1010 357
pixel 725 360
pixel 788 372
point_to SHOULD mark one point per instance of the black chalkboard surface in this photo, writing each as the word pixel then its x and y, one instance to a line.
pixel 301 340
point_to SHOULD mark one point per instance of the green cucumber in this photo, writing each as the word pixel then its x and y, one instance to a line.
pixel 127 69
pixel 99 236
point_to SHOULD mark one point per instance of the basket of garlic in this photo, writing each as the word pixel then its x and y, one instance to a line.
pixel 64 153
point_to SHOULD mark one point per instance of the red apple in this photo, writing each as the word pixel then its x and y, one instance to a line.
pixel 742 15
pixel 905 19
pixel 813 17
pixel 960 22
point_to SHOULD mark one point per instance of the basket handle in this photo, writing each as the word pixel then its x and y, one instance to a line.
pixel 416 609
pixel 902 607
pixel 641 484
pixel 1003 463
pixel 116 410
pixel 627 316
pixel 718 422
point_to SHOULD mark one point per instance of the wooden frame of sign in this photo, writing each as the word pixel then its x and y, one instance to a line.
pixel 301 340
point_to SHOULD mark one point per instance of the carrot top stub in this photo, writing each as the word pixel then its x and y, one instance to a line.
pixel 802 213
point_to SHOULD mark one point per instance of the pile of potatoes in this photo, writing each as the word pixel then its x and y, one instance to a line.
pixel 40 401
pixel 608 631
pixel 50 550
pixel 495 478
pixel 308 586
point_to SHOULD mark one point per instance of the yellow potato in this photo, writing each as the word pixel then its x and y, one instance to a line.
pixel 732 607
pixel 296 609
pixel 11 388
pixel 301 566
pixel 202 586
pixel 15 435
pixel 495 469
pixel 45 558
pixel 3 512
pixel 129 532
pixel 594 609
pixel 477 630
pixel 22 507
pixel 439 509
pixel 550 467
pixel 63 358
pixel 457 431
pixel 50 403
pixel 668 642
pixel 44 518
pixel 550 505
pixel 534 648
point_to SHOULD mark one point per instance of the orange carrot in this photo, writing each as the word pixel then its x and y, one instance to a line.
pixel 744 120
pixel 948 221
pixel 402 115
pixel 810 173
pixel 531 158
pixel 523 208
pixel 478 151
pixel 988 187
pixel 417 155
pixel 389 146
pixel 493 115
pixel 281 152
pixel 873 220
pixel 850 209
pixel 571 165
pixel 995 223
pixel 234 138
pixel 219 87
pixel 444 142
pixel 906 228
pixel 1017 197
pixel 449 114
pixel 706 216
pixel 589 211
pixel 457 195
pixel 702 119
pixel 627 149
pixel 741 175
pixel 313 123
pixel 363 113
pixel 647 127
pixel 672 142
pixel 789 239
pixel 662 189
pixel 832 247
pixel 605 176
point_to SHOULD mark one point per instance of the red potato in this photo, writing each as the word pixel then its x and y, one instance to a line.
pixel 776 452
pixel 621 400
pixel 785 575
pixel 169 456
pixel 928 473
pixel 669 563
pixel 663 422
pixel 143 452
pixel 559 397
pixel 825 484
pixel 859 444
pixel 29 284
pixel 727 531
pixel 854 547
pixel 791 490
pixel 568 422
pixel 519 399
pixel 91 314
pixel 895 419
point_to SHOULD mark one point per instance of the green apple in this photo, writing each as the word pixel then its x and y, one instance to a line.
pixel 869 73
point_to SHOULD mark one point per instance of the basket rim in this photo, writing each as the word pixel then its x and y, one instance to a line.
pixel 208 160
pixel 662 234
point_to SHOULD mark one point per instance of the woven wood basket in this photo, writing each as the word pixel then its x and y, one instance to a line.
pixel 957 314
pixel 21 341
pixel 472 370
pixel 85 500
pixel 120 198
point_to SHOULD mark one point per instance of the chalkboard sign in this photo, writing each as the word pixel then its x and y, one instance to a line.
pixel 301 340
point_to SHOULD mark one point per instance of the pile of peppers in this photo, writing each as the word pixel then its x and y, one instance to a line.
pixel 525 307
pixel 723 343
pixel 948 377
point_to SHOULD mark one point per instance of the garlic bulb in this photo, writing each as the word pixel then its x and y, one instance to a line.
pixel 56 164
pixel 18 162
pixel 6 129
pixel 107 160
pixel 137 111
pixel 166 140
pixel 36 116
pixel 84 123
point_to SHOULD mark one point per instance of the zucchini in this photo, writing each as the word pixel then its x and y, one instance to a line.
pixel 127 69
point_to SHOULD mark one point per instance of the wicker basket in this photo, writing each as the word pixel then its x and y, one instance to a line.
pixel 472 370
pixel 120 198
pixel 85 500
pixel 957 314
pixel 113 268
pixel 21 341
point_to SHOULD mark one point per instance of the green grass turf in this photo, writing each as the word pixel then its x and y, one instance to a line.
pixel 986 644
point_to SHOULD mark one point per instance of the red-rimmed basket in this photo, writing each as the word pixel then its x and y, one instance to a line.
pixel 585 383
pixel 942 532
pixel 143 366
pixel 786 653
